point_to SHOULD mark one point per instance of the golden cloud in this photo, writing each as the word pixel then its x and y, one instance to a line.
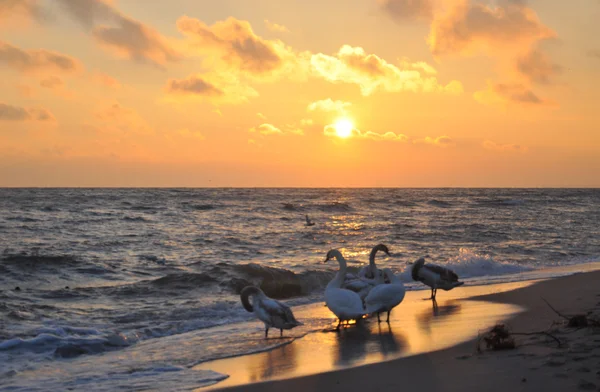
pixel 329 105
pixel 372 73
pixel 441 141
pixel 277 28
pixel 267 129
pixel 236 44
pixel 330 131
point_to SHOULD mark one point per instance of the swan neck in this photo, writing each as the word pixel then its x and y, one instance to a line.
pixel 341 274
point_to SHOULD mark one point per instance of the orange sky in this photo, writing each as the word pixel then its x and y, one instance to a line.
pixel 248 92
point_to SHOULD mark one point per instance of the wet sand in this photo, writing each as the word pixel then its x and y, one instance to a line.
pixel 434 349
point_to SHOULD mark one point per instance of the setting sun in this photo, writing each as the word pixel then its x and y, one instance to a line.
pixel 343 128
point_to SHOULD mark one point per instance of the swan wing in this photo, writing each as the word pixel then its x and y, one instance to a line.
pixel 279 312
pixel 443 272
pixel 384 297
pixel 342 301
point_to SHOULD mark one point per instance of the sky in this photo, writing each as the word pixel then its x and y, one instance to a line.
pixel 299 93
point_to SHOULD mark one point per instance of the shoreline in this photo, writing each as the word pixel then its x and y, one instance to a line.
pixel 458 366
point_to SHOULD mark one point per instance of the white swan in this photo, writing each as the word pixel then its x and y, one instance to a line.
pixel 434 276
pixel 362 286
pixel 345 304
pixel 385 297
pixel 271 312
pixel 309 222
pixel 370 271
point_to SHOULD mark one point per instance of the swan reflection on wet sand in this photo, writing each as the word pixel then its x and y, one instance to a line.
pixel 436 314
pixel 273 363
pixel 356 343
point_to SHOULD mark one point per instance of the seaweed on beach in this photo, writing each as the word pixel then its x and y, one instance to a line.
pixel 576 321
pixel 500 337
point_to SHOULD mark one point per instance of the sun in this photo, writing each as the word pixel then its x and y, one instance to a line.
pixel 343 128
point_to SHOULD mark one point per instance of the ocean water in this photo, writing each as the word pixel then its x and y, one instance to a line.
pixel 130 288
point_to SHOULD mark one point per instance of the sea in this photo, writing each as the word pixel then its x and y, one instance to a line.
pixel 124 289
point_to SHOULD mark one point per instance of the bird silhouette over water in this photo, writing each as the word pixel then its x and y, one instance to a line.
pixel 309 222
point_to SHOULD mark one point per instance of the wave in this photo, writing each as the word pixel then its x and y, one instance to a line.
pixel 135 218
pixel 500 202
pixel 67 341
pixel 439 203
pixel 470 264
pixel 36 260
pixel 200 207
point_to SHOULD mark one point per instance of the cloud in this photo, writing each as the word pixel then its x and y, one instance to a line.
pixel 329 105
pixel 107 80
pixel 270 129
pixel 216 88
pixel 123 35
pixel 306 122
pixel 17 113
pixel 276 27
pixel 193 85
pixel 372 73
pixel 116 118
pixel 267 129
pixel 403 10
pixel 490 145
pixel 36 59
pixel 19 9
pixel 234 42
pixel 52 82
pixel 472 26
pixel 261 116
pixel 330 131
pixel 441 141
pixel 537 67
pixel 507 93
pixel 594 53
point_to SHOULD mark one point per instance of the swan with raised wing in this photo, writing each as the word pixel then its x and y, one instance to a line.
pixel 434 276
pixel 271 312
pixel 345 304
pixel 385 297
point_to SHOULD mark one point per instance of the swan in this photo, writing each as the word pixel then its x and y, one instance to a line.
pixel 271 312
pixel 434 276
pixel 370 271
pixel 385 297
pixel 362 286
pixel 345 304
pixel 309 222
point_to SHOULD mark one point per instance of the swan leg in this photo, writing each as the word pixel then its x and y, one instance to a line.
pixel 280 332
pixel 388 317
pixel 378 319
pixel 338 326
pixel 433 294
pixel 266 332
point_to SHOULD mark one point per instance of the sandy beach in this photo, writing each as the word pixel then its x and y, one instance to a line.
pixel 538 363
